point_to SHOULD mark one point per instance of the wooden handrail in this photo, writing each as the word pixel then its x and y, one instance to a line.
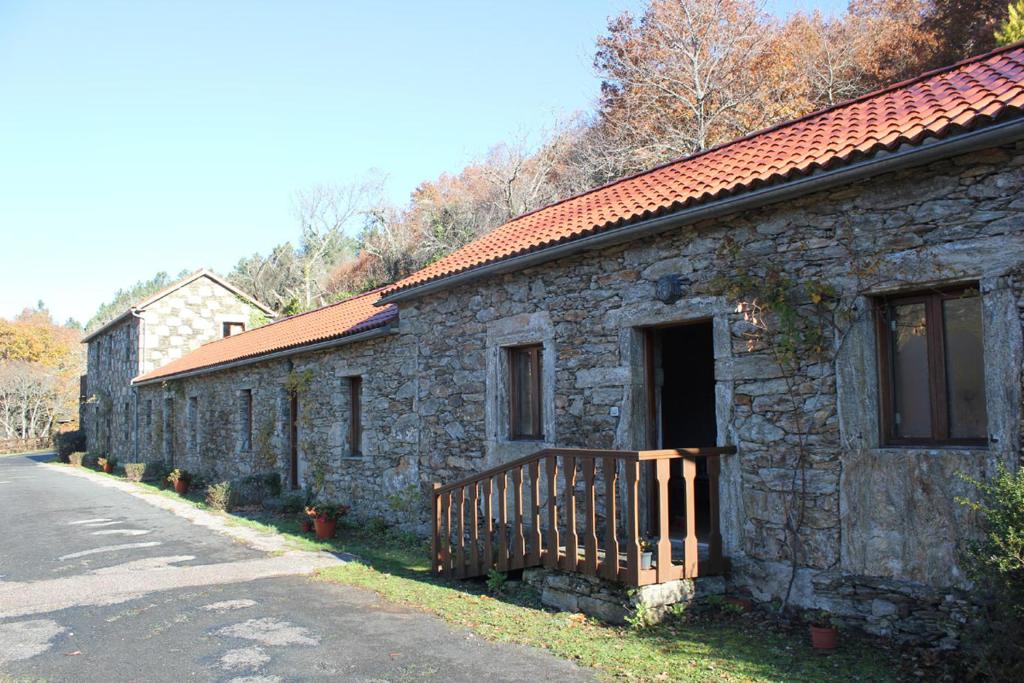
pixel 514 538
pixel 626 456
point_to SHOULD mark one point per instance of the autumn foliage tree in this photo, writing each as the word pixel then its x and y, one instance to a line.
pixel 40 362
pixel 677 78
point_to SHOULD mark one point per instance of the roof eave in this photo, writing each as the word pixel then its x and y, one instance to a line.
pixel 107 325
pixel 905 156
pixel 372 333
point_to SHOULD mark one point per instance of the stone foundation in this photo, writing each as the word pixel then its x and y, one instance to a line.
pixel 613 602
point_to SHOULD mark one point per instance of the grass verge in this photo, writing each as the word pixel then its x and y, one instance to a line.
pixel 707 644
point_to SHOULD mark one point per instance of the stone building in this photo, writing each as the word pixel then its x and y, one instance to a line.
pixel 161 328
pixel 640 315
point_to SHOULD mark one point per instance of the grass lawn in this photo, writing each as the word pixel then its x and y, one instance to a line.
pixel 711 646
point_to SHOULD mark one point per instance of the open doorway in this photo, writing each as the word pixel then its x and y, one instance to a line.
pixel 680 369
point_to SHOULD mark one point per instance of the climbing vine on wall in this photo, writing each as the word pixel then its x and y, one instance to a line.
pixel 298 382
pixel 799 322
pixel 263 451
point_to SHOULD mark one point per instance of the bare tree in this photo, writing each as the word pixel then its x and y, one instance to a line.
pixel 324 213
pixel 680 80
pixel 30 397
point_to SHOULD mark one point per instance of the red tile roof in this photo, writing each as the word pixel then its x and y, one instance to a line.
pixel 934 105
pixel 343 319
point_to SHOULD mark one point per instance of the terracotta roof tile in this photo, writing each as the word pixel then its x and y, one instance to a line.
pixel 345 318
pixel 933 105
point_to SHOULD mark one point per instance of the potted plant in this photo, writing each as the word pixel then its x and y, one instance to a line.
pixel 646 553
pixel 180 479
pixel 107 464
pixel 824 634
pixel 325 518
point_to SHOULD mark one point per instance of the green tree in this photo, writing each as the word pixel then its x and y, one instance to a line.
pixel 1012 27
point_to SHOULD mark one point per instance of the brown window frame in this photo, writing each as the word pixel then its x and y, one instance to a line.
pixel 355 410
pixel 536 351
pixel 227 326
pixel 938 398
pixel 246 395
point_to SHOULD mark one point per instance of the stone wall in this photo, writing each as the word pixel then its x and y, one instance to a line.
pixel 167 329
pixel 188 317
pixel 382 481
pixel 879 522
pixel 108 413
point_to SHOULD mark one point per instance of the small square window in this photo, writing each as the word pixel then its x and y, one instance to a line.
pixel 233 328
pixel 525 415
pixel 932 369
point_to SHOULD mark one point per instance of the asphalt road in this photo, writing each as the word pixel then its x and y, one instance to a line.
pixel 99 585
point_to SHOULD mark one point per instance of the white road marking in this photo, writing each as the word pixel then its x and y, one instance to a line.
pixel 229 604
pixel 144 565
pixel 20 599
pixel 96 524
pixel 23 639
pixel 270 631
pixel 108 549
pixel 122 532
pixel 252 657
pixel 256 679
pixel 5 482
pixel 89 521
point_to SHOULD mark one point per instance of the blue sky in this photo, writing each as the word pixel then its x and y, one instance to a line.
pixel 146 136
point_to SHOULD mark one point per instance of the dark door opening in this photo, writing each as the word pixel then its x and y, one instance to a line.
pixel 681 408
pixel 293 439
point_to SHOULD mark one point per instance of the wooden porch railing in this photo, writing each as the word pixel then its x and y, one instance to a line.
pixel 475 531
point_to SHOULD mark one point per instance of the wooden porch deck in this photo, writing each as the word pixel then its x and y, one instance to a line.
pixel 474 531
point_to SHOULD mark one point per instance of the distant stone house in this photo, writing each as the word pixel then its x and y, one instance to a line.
pixel 153 332
pixel 628 318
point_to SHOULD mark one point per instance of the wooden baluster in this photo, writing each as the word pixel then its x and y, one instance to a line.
pixel 446 535
pixel 569 506
pixel 518 538
pixel 610 568
pixel 535 537
pixel 551 559
pixel 488 525
pixel 690 559
pixel 663 473
pixel 502 524
pixel 632 523
pixel 474 530
pixel 714 524
pixel 460 548
pixel 435 540
pixel 590 496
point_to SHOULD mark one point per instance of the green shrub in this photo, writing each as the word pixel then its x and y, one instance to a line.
pixel 68 443
pixel 77 458
pixel 995 561
pixel 496 581
pixel 134 471
pixel 218 496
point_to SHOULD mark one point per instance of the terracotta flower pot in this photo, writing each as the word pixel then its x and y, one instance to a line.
pixel 108 468
pixel 745 603
pixel 181 486
pixel 824 637
pixel 324 528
